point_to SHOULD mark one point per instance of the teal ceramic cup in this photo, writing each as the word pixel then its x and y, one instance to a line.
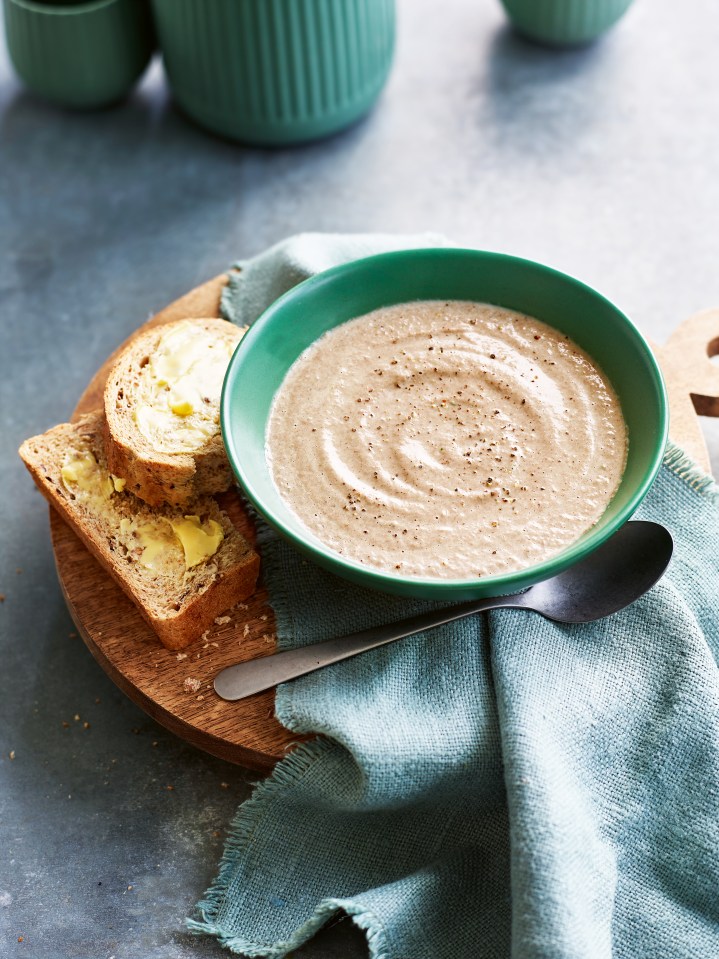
pixel 276 72
pixel 297 319
pixel 80 55
pixel 564 22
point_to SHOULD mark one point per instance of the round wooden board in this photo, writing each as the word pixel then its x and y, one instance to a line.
pixel 128 650
pixel 246 732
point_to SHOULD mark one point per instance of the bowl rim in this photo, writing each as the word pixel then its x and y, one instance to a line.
pixel 506 583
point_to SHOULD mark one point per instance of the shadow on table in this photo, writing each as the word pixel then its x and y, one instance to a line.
pixel 141 173
pixel 341 938
pixel 539 97
pixel 49 137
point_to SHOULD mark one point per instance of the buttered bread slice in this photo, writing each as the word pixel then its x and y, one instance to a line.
pixel 162 411
pixel 181 566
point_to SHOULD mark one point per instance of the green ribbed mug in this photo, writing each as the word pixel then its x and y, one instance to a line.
pixel 276 72
pixel 564 22
pixel 80 55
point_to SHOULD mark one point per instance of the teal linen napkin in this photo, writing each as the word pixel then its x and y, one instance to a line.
pixel 498 787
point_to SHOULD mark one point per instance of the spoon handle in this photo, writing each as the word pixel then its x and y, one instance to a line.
pixel 245 679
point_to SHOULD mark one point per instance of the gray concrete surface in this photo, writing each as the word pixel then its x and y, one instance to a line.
pixel 601 162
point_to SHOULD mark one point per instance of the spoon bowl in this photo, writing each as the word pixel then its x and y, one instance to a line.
pixel 615 575
pixel 612 577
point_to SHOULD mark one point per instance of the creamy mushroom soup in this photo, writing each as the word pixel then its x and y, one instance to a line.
pixel 446 440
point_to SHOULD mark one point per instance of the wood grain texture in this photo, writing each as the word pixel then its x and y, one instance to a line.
pixel 247 732
pixel 692 380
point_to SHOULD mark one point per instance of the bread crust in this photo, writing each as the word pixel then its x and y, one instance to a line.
pixel 158 477
pixel 230 576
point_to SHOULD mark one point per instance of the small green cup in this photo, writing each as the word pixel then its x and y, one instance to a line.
pixel 276 72
pixel 80 55
pixel 564 22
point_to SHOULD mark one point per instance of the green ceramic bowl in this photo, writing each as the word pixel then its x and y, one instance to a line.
pixel 564 22
pixel 80 55
pixel 276 72
pixel 294 321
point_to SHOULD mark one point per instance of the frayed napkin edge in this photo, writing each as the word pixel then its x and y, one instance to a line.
pixel 287 773
pixel 683 466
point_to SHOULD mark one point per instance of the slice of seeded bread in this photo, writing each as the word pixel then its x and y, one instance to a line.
pixel 166 475
pixel 178 603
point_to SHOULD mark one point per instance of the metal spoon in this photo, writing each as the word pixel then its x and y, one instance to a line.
pixel 613 576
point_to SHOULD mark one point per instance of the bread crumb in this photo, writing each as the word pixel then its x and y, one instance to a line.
pixel 263 617
pixel 221 620
pixel 242 606
pixel 76 717
pixel 181 656
pixel 65 725
pixel 205 635
pixel 170 788
pixel 12 754
pixel 191 685
pixel 86 725
pixel 2 597
pixel 199 697
pixel 268 637
pixel 246 630
pixel 216 645
pixel 224 785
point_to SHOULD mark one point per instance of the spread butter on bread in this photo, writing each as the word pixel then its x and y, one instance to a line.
pixel 162 411
pixel 181 566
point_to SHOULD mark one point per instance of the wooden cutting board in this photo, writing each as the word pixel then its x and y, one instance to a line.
pixel 155 678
